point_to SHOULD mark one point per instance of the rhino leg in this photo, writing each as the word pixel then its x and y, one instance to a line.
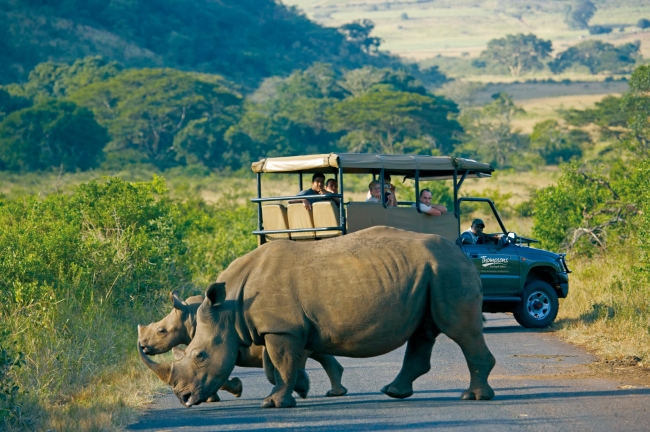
pixel 334 372
pixel 417 361
pixel 302 383
pixel 233 386
pixel 286 353
pixel 465 327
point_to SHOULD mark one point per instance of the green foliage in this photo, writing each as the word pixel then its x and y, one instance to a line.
pixel 10 103
pixel 519 53
pixel 244 40
pixel 387 121
pixel 165 115
pixel 560 211
pixel 597 29
pixel 489 136
pixel 358 33
pixel 54 133
pixel 643 23
pixel 557 144
pixel 607 115
pixel 579 14
pixel 636 104
pixel 79 271
pixel 57 80
pixel 10 361
pixel 598 57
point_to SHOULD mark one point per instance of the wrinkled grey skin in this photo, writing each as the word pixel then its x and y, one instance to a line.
pixel 358 295
pixel 179 326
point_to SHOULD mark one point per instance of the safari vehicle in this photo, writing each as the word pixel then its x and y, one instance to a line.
pixel 516 277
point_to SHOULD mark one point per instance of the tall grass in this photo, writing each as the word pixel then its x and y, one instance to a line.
pixel 608 307
pixel 78 272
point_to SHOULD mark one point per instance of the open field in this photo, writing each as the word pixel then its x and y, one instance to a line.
pixel 463 27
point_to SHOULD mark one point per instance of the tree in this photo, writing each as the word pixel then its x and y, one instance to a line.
pixel 636 104
pixel 358 33
pixel 145 109
pixel 643 23
pixel 579 14
pixel 386 121
pixel 360 81
pixel 557 144
pixel 607 115
pixel 597 56
pixel 9 103
pixel 54 133
pixel 489 136
pixel 56 80
pixel 519 53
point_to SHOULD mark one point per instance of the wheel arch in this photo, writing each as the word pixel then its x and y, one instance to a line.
pixel 547 274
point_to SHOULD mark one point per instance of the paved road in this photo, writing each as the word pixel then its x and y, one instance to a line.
pixel 539 383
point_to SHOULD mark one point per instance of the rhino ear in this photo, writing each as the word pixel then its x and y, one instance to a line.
pixel 177 302
pixel 178 353
pixel 216 293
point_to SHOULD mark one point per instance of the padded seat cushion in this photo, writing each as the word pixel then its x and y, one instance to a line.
pixel 300 217
pixel 326 214
pixel 274 217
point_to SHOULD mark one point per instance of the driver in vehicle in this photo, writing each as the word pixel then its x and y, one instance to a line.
pixel 474 235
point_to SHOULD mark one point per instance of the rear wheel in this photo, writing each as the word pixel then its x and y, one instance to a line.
pixel 539 306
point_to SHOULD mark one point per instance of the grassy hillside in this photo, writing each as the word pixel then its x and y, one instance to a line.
pixel 244 40
pixel 423 29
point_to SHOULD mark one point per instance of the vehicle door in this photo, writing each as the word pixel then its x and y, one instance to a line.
pixel 498 267
pixel 498 264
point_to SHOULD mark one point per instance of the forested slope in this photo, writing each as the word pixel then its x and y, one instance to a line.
pixel 243 40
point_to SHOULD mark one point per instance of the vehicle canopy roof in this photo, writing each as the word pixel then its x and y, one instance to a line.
pixel 430 167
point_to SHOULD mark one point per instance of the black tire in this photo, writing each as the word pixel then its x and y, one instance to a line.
pixel 539 305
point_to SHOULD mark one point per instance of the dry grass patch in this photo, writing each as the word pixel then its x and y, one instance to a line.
pixel 608 310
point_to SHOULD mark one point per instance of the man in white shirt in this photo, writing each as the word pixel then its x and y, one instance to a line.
pixel 427 207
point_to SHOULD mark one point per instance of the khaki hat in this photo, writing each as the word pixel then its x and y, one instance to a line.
pixel 478 222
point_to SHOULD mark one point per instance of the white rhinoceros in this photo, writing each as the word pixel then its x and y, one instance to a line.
pixel 358 295
pixel 179 326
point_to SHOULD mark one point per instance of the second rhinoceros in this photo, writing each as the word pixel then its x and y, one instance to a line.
pixel 179 326
pixel 359 295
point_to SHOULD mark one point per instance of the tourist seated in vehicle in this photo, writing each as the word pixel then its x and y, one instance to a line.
pixel 317 188
pixel 474 235
pixel 375 192
pixel 389 188
pixel 332 187
pixel 427 207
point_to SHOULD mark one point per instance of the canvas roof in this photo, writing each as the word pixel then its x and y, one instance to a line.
pixel 433 167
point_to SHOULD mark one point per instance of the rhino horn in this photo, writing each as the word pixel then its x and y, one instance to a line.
pixel 164 371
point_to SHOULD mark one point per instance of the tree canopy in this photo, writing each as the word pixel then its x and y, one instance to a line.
pixel 597 56
pixel 146 109
pixel 579 14
pixel 54 133
pixel 519 53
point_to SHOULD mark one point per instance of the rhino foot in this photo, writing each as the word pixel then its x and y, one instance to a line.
pixel 394 392
pixel 213 398
pixel 278 401
pixel 479 393
pixel 339 391
pixel 237 387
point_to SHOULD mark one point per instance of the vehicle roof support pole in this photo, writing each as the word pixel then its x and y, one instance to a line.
pixel 383 182
pixel 262 238
pixel 417 191
pixel 300 181
pixel 456 203
pixel 342 203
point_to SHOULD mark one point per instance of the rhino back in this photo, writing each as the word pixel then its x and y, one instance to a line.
pixel 374 284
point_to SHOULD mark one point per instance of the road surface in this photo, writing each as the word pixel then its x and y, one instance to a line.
pixel 541 384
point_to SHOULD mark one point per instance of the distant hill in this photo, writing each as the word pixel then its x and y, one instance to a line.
pixel 243 40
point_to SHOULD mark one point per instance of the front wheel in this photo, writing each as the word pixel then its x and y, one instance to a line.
pixel 539 306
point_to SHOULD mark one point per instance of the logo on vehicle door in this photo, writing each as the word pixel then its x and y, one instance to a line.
pixel 494 262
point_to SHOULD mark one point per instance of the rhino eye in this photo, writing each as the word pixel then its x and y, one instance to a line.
pixel 162 330
pixel 200 355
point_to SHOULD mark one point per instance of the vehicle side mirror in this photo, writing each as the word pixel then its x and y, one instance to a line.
pixel 511 238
